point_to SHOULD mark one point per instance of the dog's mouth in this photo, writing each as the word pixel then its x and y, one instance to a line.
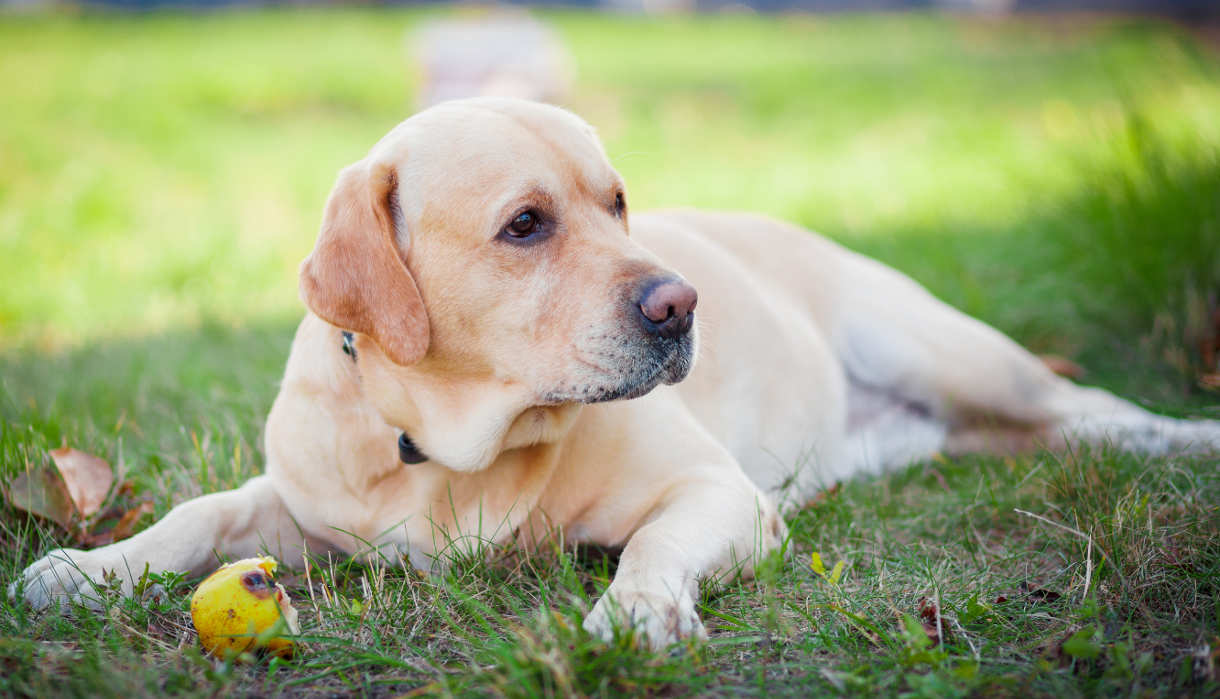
pixel 630 375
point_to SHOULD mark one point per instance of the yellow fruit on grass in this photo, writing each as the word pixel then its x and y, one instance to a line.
pixel 241 608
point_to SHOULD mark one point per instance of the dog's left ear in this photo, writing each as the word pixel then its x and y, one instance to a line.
pixel 356 278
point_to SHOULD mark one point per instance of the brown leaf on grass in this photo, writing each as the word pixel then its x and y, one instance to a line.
pixel 1062 366
pixel 928 610
pixel 823 496
pixel 124 526
pixel 1209 345
pixel 933 625
pixel 43 493
pixel 87 477
pixel 69 490
pixel 1037 594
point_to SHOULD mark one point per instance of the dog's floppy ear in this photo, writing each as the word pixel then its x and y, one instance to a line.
pixel 355 277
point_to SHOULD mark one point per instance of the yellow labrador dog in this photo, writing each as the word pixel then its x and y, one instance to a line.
pixel 494 349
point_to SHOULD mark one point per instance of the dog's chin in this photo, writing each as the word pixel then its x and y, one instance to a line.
pixel 636 380
pixel 625 391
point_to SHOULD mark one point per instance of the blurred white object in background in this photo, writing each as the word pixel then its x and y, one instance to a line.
pixel 986 7
pixel 501 53
pixel 660 7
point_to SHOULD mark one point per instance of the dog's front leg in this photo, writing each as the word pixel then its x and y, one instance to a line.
pixel 236 523
pixel 701 530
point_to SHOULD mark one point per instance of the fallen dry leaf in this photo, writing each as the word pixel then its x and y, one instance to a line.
pixel 928 610
pixel 1062 366
pixel 1210 381
pixel 87 477
pixel 823 496
pixel 123 528
pixel 1209 344
pixel 42 492
pixel 70 491
pixel 1036 594
pixel 933 625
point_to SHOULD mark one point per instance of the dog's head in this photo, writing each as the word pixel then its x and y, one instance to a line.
pixel 485 243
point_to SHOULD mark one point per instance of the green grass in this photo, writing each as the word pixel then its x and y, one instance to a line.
pixel 164 174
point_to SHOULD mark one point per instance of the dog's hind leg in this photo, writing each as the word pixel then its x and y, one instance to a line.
pixel 894 336
pixel 886 432
pixel 234 523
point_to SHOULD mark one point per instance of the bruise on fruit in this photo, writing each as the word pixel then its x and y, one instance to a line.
pixel 257 583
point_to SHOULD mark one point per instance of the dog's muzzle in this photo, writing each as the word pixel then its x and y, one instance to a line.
pixel 654 344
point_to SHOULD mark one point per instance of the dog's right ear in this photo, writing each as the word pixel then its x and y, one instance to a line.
pixel 355 278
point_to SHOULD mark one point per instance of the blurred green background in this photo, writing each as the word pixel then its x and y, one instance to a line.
pixel 1056 176
pixel 164 170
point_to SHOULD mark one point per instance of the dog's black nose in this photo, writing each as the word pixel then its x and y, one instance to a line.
pixel 667 307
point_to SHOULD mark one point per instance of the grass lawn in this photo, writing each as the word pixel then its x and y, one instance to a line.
pixel 161 176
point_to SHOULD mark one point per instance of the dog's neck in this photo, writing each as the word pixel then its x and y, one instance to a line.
pixel 461 422
pixel 408 451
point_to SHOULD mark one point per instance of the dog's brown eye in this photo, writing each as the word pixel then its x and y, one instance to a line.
pixel 523 225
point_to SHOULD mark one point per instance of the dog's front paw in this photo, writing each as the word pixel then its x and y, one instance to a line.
pixel 663 617
pixel 68 575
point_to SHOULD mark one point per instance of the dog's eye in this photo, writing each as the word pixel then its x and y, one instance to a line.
pixel 619 204
pixel 523 225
